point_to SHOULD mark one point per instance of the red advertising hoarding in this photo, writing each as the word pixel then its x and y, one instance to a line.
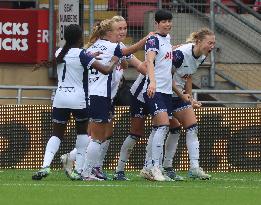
pixel 23 35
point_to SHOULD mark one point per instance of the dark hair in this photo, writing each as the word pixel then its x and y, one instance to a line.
pixel 72 35
pixel 162 14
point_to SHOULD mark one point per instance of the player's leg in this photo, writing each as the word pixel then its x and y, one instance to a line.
pixel 188 119
pixel 138 113
pixel 136 132
pixel 100 117
pixel 160 108
pixel 171 145
pixel 60 118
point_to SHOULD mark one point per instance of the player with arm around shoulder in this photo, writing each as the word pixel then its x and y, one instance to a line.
pixel 72 68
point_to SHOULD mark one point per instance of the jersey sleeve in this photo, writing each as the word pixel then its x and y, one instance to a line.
pixel 86 59
pixel 178 59
pixel 152 44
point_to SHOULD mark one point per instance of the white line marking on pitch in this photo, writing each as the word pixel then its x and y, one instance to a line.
pixel 126 185
pixel 237 179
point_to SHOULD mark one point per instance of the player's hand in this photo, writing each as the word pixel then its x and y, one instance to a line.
pixel 96 55
pixel 186 97
pixel 115 59
pixel 124 64
pixel 151 89
pixel 46 64
pixel 196 104
pixel 176 46
pixel 150 34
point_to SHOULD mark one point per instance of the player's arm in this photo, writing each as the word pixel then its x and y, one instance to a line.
pixel 106 69
pixel 183 96
pixel 150 57
pixel 88 60
pixel 188 85
pixel 188 90
pixel 47 63
pixel 151 49
pixel 141 67
pixel 124 64
pixel 177 61
pixel 137 46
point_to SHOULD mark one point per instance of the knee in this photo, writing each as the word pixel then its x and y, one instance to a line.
pixel 175 130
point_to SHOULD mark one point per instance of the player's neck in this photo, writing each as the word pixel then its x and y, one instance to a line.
pixel 196 52
pixel 161 34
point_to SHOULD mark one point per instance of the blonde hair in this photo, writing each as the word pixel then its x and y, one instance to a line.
pixel 117 18
pixel 199 35
pixel 99 31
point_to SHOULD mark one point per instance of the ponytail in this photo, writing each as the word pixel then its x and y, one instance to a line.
pixel 64 51
pixel 199 35
pixel 99 31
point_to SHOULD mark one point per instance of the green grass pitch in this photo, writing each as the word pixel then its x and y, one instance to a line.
pixel 17 188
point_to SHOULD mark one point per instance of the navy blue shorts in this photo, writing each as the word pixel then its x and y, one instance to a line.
pixel 178 104
pixel 62 115
pixel 100 109
pixel 138 108
pixel 160 102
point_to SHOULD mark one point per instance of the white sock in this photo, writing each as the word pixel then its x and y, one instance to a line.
pixel 50 150
pixel 157 144
pixel 104 149
pixel 126 150
pixel 72 154
pixel 148 159
pixel 193 145
pixel 171 145
pixel 92 155
pixel 82 142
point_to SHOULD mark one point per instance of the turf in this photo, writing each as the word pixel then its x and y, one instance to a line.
pixel 16 187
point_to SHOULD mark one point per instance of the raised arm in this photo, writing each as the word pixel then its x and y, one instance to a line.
pixel 135 47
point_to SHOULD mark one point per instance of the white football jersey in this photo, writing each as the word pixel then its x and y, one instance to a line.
pixel 163 62
pixel 136 88
pixel 185 64
pixel 100 84
pixel 117 75
pixel 72 88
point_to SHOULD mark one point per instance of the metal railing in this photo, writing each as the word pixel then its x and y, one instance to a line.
pixel 19 94
pixel 195 93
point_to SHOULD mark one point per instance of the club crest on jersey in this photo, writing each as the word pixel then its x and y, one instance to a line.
pixel 89 54
pixel 152 42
